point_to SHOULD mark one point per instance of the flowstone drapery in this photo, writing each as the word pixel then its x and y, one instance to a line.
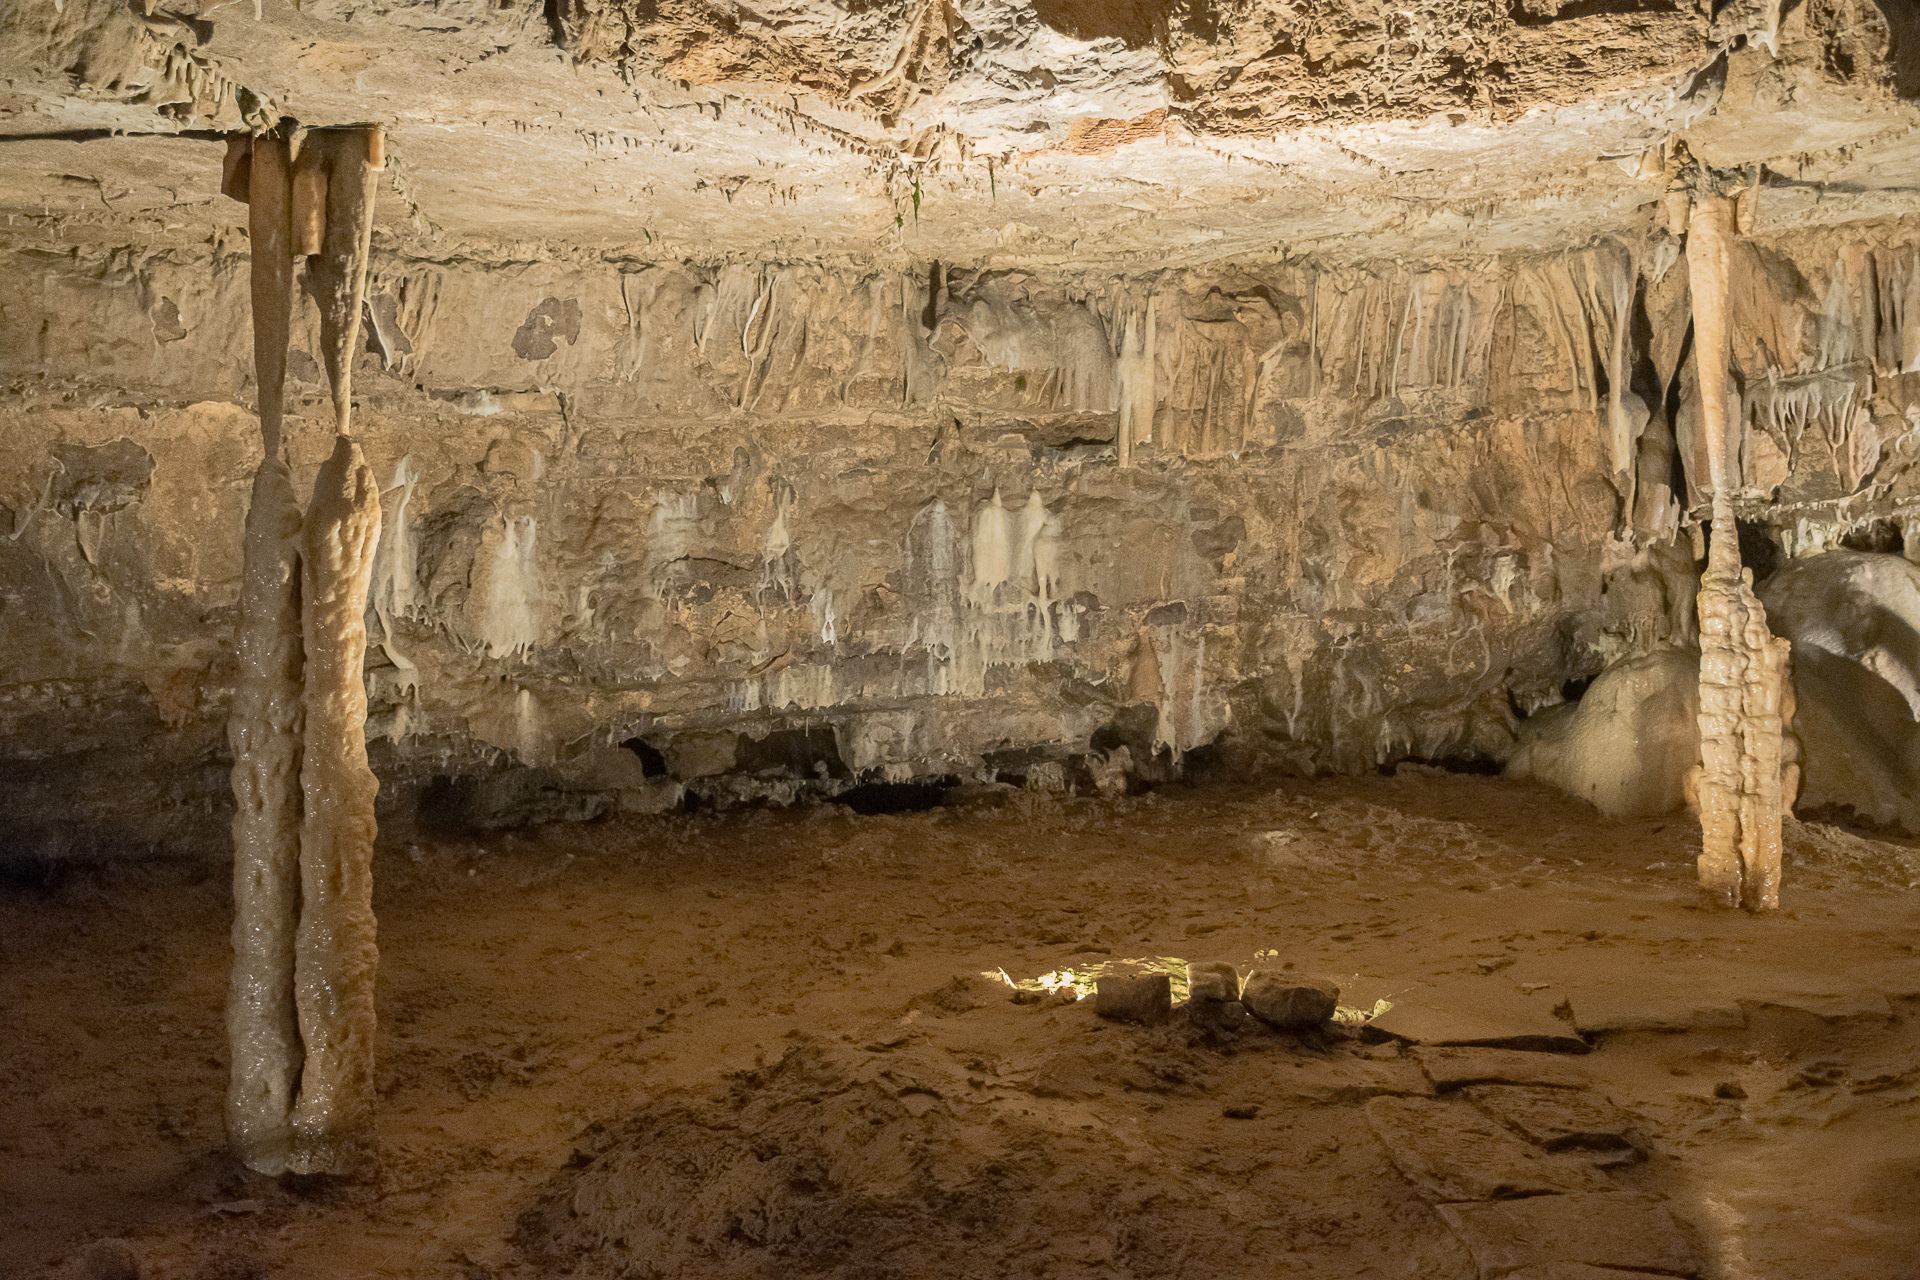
pixel 300 1005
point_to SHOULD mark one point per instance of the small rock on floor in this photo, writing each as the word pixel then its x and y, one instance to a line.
pixel 1288 1002
pixel 1146 997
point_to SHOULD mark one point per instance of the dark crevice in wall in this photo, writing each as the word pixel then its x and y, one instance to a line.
pixel 872 798
pixel 652 763
pixel 809 752
pixel 1883 536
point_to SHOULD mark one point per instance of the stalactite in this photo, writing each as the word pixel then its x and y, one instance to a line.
pixel 335 953
pixel 1134 371
pixel 269 225
pixel 349 160
pixel 1746 778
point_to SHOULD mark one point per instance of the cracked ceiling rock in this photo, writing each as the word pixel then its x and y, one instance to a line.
pixel 1137 131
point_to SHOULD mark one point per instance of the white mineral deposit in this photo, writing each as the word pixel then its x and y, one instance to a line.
pixel 1021 638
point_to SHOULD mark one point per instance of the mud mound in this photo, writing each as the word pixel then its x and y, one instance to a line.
pixel 944 1146
pixel 836 1161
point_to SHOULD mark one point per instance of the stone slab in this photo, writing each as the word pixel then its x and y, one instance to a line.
pixel 1603 1009
pixel 1451 1151
pixel 1214 981
pixel 1580 1271
pixel 1343 1081
pixel 1454 1068
pixel 1491 1014
pixel 1831 1005
pixel 1615 1230
pixel 1556 1119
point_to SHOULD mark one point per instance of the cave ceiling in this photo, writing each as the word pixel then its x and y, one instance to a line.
pixel 1002 131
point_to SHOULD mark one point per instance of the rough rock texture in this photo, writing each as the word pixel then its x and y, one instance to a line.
pixel 1056 126
pixel 1040 392
pixel 844 525
pixel 335 956
pixel 1289 1001
pixel 265 731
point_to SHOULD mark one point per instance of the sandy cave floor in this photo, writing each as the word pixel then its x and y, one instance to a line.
pixel 560 1007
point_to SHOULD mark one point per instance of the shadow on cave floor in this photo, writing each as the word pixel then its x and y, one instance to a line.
pixel 548 994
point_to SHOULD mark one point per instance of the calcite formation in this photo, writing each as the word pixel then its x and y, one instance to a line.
pixel 335 956
pixel 300 1007
pixel 1746 779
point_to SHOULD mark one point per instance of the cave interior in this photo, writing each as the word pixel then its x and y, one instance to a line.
pixel 892 639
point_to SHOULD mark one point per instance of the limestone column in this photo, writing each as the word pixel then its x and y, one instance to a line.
pixel 335 951
pixel 265 725
pixel 1747 777
pixel 301 1002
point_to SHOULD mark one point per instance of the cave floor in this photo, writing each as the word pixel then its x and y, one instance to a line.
pixel 539 987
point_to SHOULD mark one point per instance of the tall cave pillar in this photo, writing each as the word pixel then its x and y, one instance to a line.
pixel 266 722
pixel 1746 779
pixel 335 953
pixel 301 1001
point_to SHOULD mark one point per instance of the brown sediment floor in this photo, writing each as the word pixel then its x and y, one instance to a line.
pixel 563 1011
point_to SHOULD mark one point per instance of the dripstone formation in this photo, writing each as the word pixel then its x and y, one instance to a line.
pixel 300 1015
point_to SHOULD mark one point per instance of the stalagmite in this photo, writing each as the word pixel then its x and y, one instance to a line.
pixel 1746 780
pixel 335 955
pixel 264 727
pixel 264 730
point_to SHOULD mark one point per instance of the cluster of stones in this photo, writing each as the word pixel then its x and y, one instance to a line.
pixel 1217 999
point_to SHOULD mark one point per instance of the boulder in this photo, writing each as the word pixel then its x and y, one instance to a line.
pixel 1854 620
pixel 1288 1001
pixel 1626 747
pixel 1216 982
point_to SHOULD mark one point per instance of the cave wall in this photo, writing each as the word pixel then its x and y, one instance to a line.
pixel 807 526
